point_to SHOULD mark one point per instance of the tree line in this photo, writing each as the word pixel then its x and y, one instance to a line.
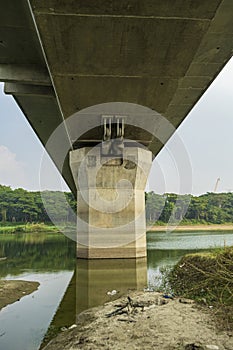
pixel 20 205
pixel 216 208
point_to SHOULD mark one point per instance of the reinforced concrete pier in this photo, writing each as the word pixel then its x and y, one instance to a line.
pixel 111 203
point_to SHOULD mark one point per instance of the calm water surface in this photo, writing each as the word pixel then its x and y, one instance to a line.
pixel 68 285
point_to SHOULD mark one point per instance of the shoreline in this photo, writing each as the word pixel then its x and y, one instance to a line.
pixel 14 228
pixel 148 321
pixel 198 227
pixel 45 228
pixel 13 290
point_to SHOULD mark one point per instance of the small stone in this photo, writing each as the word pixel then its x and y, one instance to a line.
pixel 211 347
pixel 193 346
pixel 162 301
pixel 186 301
pixel 73 326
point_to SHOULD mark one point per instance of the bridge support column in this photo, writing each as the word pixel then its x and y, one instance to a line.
pixel 111 202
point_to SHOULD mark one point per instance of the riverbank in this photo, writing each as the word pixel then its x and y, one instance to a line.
pixel 199 316
pixel 12 291
pixel 27 227
pixel 150 321
pixel 188 228
pixel 50 228
pixel 207 278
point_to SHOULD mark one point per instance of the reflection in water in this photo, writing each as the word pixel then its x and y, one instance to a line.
pixel 90 284
pixel 160 259
pixel 96 277
pixel 65 314
pixel 189 240
pixel 36 252
pixel 164 250
pixel 51 259
pixel 24 323
pixel 48 259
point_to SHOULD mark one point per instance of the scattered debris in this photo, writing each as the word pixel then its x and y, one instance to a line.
pixel 144 321
pixel 186 301
pixel 148 289
pixel 113 292
pixel 168 296
pixel 73 326
pixel 129 320
pixel 193 346
pixel 161 301
pixel 130 307
pixel 64 329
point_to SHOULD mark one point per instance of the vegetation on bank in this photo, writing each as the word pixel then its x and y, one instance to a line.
pixel 209 208
pixel 20 205
pixel 208 279
pixel 46 207
pixel 26 227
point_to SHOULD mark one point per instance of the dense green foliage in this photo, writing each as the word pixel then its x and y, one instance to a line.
pixel 20 205
pixel 216 208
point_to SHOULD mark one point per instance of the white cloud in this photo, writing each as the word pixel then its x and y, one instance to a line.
pixel 12 171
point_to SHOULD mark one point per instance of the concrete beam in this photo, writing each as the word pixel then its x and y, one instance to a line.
pixel 18 89
pixel 25 74
pixel 203 9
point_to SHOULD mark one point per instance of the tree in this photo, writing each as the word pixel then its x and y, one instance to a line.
pixel 5 199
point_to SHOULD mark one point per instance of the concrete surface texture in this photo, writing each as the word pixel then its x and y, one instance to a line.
pixel 111 202
pixel 58 57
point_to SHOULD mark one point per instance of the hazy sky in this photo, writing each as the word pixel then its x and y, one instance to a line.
pixel 207 135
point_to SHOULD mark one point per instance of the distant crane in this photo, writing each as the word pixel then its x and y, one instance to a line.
pixel 216 185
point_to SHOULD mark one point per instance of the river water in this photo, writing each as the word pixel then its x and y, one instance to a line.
pixel 69 286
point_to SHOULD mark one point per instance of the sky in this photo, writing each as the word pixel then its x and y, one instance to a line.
pixel 206 134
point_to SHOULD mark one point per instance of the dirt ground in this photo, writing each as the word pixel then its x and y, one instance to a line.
pixel 152 322
pixel 11 291
pixel 183 228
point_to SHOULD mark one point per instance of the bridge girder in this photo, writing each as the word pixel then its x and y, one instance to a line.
pixel 58 57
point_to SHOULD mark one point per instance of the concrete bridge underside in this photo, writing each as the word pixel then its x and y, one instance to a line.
pixel 58 57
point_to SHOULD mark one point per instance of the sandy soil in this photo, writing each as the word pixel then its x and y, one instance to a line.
pixel 11 291
pixel 163 324
pixel 194 228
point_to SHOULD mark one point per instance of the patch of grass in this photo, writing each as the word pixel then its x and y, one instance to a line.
pixel 27 227
pixel 207 278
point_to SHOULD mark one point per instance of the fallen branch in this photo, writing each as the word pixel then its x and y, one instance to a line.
pixel 129 305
